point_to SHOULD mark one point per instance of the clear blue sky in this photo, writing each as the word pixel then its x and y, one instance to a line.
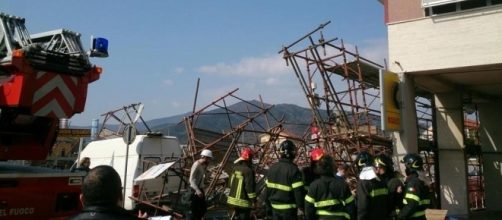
pixel 159 48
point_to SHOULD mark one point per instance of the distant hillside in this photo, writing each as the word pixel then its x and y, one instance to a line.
pixel 297 119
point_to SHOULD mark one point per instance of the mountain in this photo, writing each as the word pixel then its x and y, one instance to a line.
pixel 296 119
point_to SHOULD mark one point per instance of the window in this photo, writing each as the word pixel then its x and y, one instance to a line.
pixel 432 3
pixel 444 9
pixel 150 162
pixel 496 2
pixel 434 7
pixel 472 4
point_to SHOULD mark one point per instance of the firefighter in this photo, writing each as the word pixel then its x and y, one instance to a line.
pixel 372 193
pixel 308 173
pixel 328 197
pixel 415 191
pixel 385 171
pixel 242 196
pixel 285 193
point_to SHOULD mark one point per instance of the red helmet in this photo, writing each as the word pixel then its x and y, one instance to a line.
pixel 246 153
pixel 316 154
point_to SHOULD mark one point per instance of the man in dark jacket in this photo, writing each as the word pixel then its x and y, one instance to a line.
pixel 385 171
pixel 102 195
pixel 308 174
pixel 415 192
pixel 242 196
pixel 372 193
pixel 328 197
pixel 285 193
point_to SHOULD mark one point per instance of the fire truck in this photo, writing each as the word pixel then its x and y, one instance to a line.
pixel 44 77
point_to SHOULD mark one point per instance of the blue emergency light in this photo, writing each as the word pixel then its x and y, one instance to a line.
pixel 99 47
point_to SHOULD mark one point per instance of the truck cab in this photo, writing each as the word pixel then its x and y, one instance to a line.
pixel 43 77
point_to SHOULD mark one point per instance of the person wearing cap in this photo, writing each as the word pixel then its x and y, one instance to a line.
pixel 415 191
pixel 328 197
pixel 385 171
pixel 285 192
pixel 372 195
pixel 308 174
pixel 242 196
pixel 198 204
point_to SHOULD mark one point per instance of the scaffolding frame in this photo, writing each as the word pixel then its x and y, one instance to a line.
pixel 124 116
pixel 254 126
pixel 346 106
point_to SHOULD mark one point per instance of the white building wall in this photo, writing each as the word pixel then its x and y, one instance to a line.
pixel 466 38
pixel 452 162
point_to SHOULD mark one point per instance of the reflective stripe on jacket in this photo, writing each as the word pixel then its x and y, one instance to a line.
pixel 415 199
pixel 372 199
pixel 284 186
pixel 328 196
pixel 242 186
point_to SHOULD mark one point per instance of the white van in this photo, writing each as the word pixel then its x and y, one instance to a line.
pixel 145 152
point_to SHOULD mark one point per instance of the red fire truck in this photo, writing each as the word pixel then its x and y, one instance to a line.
pixel 43 77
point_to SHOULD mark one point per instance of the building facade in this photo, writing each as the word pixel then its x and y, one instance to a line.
pixel 451 49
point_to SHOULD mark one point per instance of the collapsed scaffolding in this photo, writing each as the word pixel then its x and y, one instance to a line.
pixel 342 90
pixel 126 115
pixel 346 118
pixel 251 125
pixel 346 106
pixel 346 115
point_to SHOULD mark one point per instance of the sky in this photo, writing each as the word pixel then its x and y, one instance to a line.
pixel 159 48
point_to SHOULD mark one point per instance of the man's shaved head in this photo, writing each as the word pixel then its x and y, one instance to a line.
pixel 102 186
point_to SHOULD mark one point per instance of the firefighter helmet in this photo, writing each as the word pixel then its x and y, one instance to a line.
pixel 246 153
pixel 287 149
pixel 382 161
pixel 413 162
pixel 363 159
pixel 316 154
pixel 385 162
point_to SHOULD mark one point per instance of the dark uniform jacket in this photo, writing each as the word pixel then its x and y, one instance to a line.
pixel 308 176
pixel 395 197
pixel 372 199
pixel 285 186
pixel 328 198
pixel 415 199
pixel 103 212
pixel 242 186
